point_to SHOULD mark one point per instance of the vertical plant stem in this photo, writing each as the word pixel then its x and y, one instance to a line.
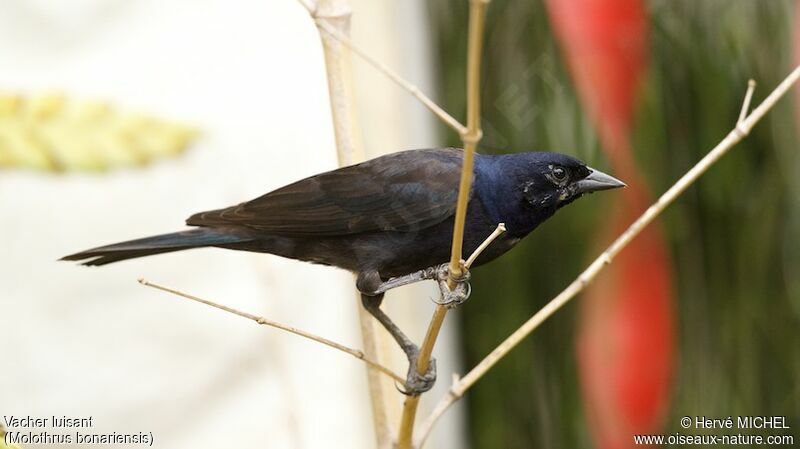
pixel 477 15
pixel 337 14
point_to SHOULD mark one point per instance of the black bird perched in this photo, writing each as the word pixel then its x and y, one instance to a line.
pixel 389 220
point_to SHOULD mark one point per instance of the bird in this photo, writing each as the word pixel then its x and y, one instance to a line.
pixel 389 220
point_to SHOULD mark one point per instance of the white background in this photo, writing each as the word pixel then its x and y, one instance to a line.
pixel 91 341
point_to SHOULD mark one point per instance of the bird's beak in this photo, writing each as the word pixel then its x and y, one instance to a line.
pixel 598 180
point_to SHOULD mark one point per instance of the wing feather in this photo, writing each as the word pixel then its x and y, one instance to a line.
pixel 402 191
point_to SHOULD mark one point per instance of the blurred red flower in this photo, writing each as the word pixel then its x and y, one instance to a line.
pixel 626 346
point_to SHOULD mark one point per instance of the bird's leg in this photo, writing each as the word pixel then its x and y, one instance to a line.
pixel 373 306
pixel 377 286
pixel 416 384
pixel 372 288
pixel 371 284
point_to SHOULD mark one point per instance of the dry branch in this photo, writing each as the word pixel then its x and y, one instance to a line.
pixel 739 132
pixel 267 322
pixel 477 16
pixel 501 228
pixel 335 14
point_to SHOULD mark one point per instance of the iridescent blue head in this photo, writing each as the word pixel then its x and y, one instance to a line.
pixel 530 187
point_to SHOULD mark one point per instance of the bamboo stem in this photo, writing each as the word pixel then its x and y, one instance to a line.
pixel 477 15
pixel 335 14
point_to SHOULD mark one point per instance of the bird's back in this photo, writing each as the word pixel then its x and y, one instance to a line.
pixel 398 192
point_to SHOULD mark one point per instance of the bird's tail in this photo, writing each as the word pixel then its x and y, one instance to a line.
pixel 165 243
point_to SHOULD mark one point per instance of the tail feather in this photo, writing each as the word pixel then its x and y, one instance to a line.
pixel 165 243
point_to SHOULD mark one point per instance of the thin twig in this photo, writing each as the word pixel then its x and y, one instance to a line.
pixel 501 228
pixel 437 110
pixel 477 16
pixel 267 322
pixel 748 96
pixel 739 132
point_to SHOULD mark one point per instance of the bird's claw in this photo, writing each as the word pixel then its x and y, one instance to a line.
pixel 457 296
pixel 453 298
pixel 416 383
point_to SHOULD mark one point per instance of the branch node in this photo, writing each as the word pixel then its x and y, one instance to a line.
pixel 471 136
pixel 741 131
pixel 455 390
pixel 458 275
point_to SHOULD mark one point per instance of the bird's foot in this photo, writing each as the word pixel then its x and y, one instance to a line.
pixel 417 383
pixel 457 296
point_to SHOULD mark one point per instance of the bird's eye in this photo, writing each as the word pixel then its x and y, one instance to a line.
pixel 559 174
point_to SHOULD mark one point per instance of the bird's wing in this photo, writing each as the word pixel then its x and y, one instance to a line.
pixel 402 191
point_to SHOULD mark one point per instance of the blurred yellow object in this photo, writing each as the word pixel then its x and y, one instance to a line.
pixel 3 444
pixel 49 132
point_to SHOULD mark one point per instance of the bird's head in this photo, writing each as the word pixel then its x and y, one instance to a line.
pixel 539 183
pixel 554 180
